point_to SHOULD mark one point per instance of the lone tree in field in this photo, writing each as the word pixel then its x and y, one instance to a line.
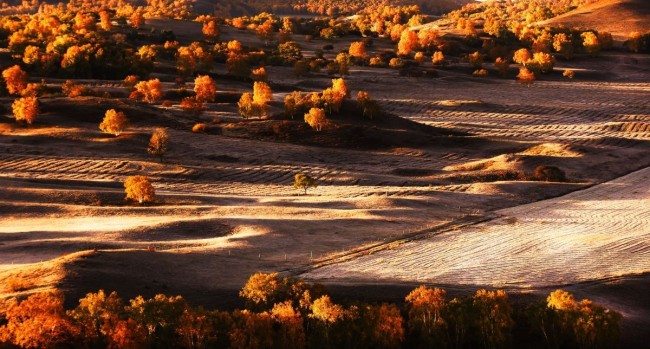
pixel 139 188
pixel 205 88
pixel 304 182
pixel 25 109
pixel 114 122
pixel 15 78
pixel 158 143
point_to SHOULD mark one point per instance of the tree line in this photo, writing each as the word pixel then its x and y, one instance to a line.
pixel 284 312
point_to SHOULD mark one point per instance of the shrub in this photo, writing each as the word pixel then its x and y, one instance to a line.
pixel 480 73
pixel 549 174
pixel 139 188
pixel 569 73
pixel 200 127
pixel 72 89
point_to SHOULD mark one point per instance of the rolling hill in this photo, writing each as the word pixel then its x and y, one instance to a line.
pixel 619 17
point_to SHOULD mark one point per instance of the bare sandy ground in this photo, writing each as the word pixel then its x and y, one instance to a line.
pixel 597 233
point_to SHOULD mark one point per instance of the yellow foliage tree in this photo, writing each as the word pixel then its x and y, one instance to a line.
pixel 25 109
pixel 15 79
pixel 316 118
pixel 158 143
pixel 205 88
pixel 114 122
pixel 139 188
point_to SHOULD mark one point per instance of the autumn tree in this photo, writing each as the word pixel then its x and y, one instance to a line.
pixel 262 95
pixel 15 78
pixel 211 30
pixel 205 88
pixel 259 74
pixel 590 42
pixel 261 290
pixel 40 321
pixel 105 20
pixel 98 315
pixel 137 19
pixel 369 106
pixel 246 106
pixel 266 31
pixel 407 43
pixel 387 329
pixel 494 317
pixel 251 330
pixel 139 188
pixel 358 50
pixel 438 58
pixel 25 109
pixel 502 65
pixel 159 317
pixel 290 333
pixel 326 313
pixel 238 65
pixel 563 45
pixel 193 105
pixel 316 119
pixel 301 68
pixel 475 59
pixel 114 122
pixel 293 102
pixel 158 143
pixel 425 308
pixel 525 76
pixel 303 182
pixel 522 56
pixel 149 91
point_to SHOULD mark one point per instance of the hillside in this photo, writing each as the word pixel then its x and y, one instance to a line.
pixel 627 16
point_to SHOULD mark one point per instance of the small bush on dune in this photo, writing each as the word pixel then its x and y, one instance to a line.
pixel 549 174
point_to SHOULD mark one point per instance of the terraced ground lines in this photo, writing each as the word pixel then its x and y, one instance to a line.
pixel 596 233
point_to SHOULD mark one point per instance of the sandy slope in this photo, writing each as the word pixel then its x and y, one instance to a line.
pixel 597 233
pixel 619 17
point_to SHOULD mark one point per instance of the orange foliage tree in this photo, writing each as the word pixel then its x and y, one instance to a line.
pixel 15 79
pixel 494 317
pixel 114 122
pixel 139 188
pixel 291 333
pixel 369 106
pixel 316 118
pixel 205 88
pixel 25 109
pixel 98 316
pixel 407 43
pixel 149 91
pixel 358 50
pixel 525 76
pixel 211 30
pixel 426 306
pixel 40 321
pixel 158 143
pixel 590 42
